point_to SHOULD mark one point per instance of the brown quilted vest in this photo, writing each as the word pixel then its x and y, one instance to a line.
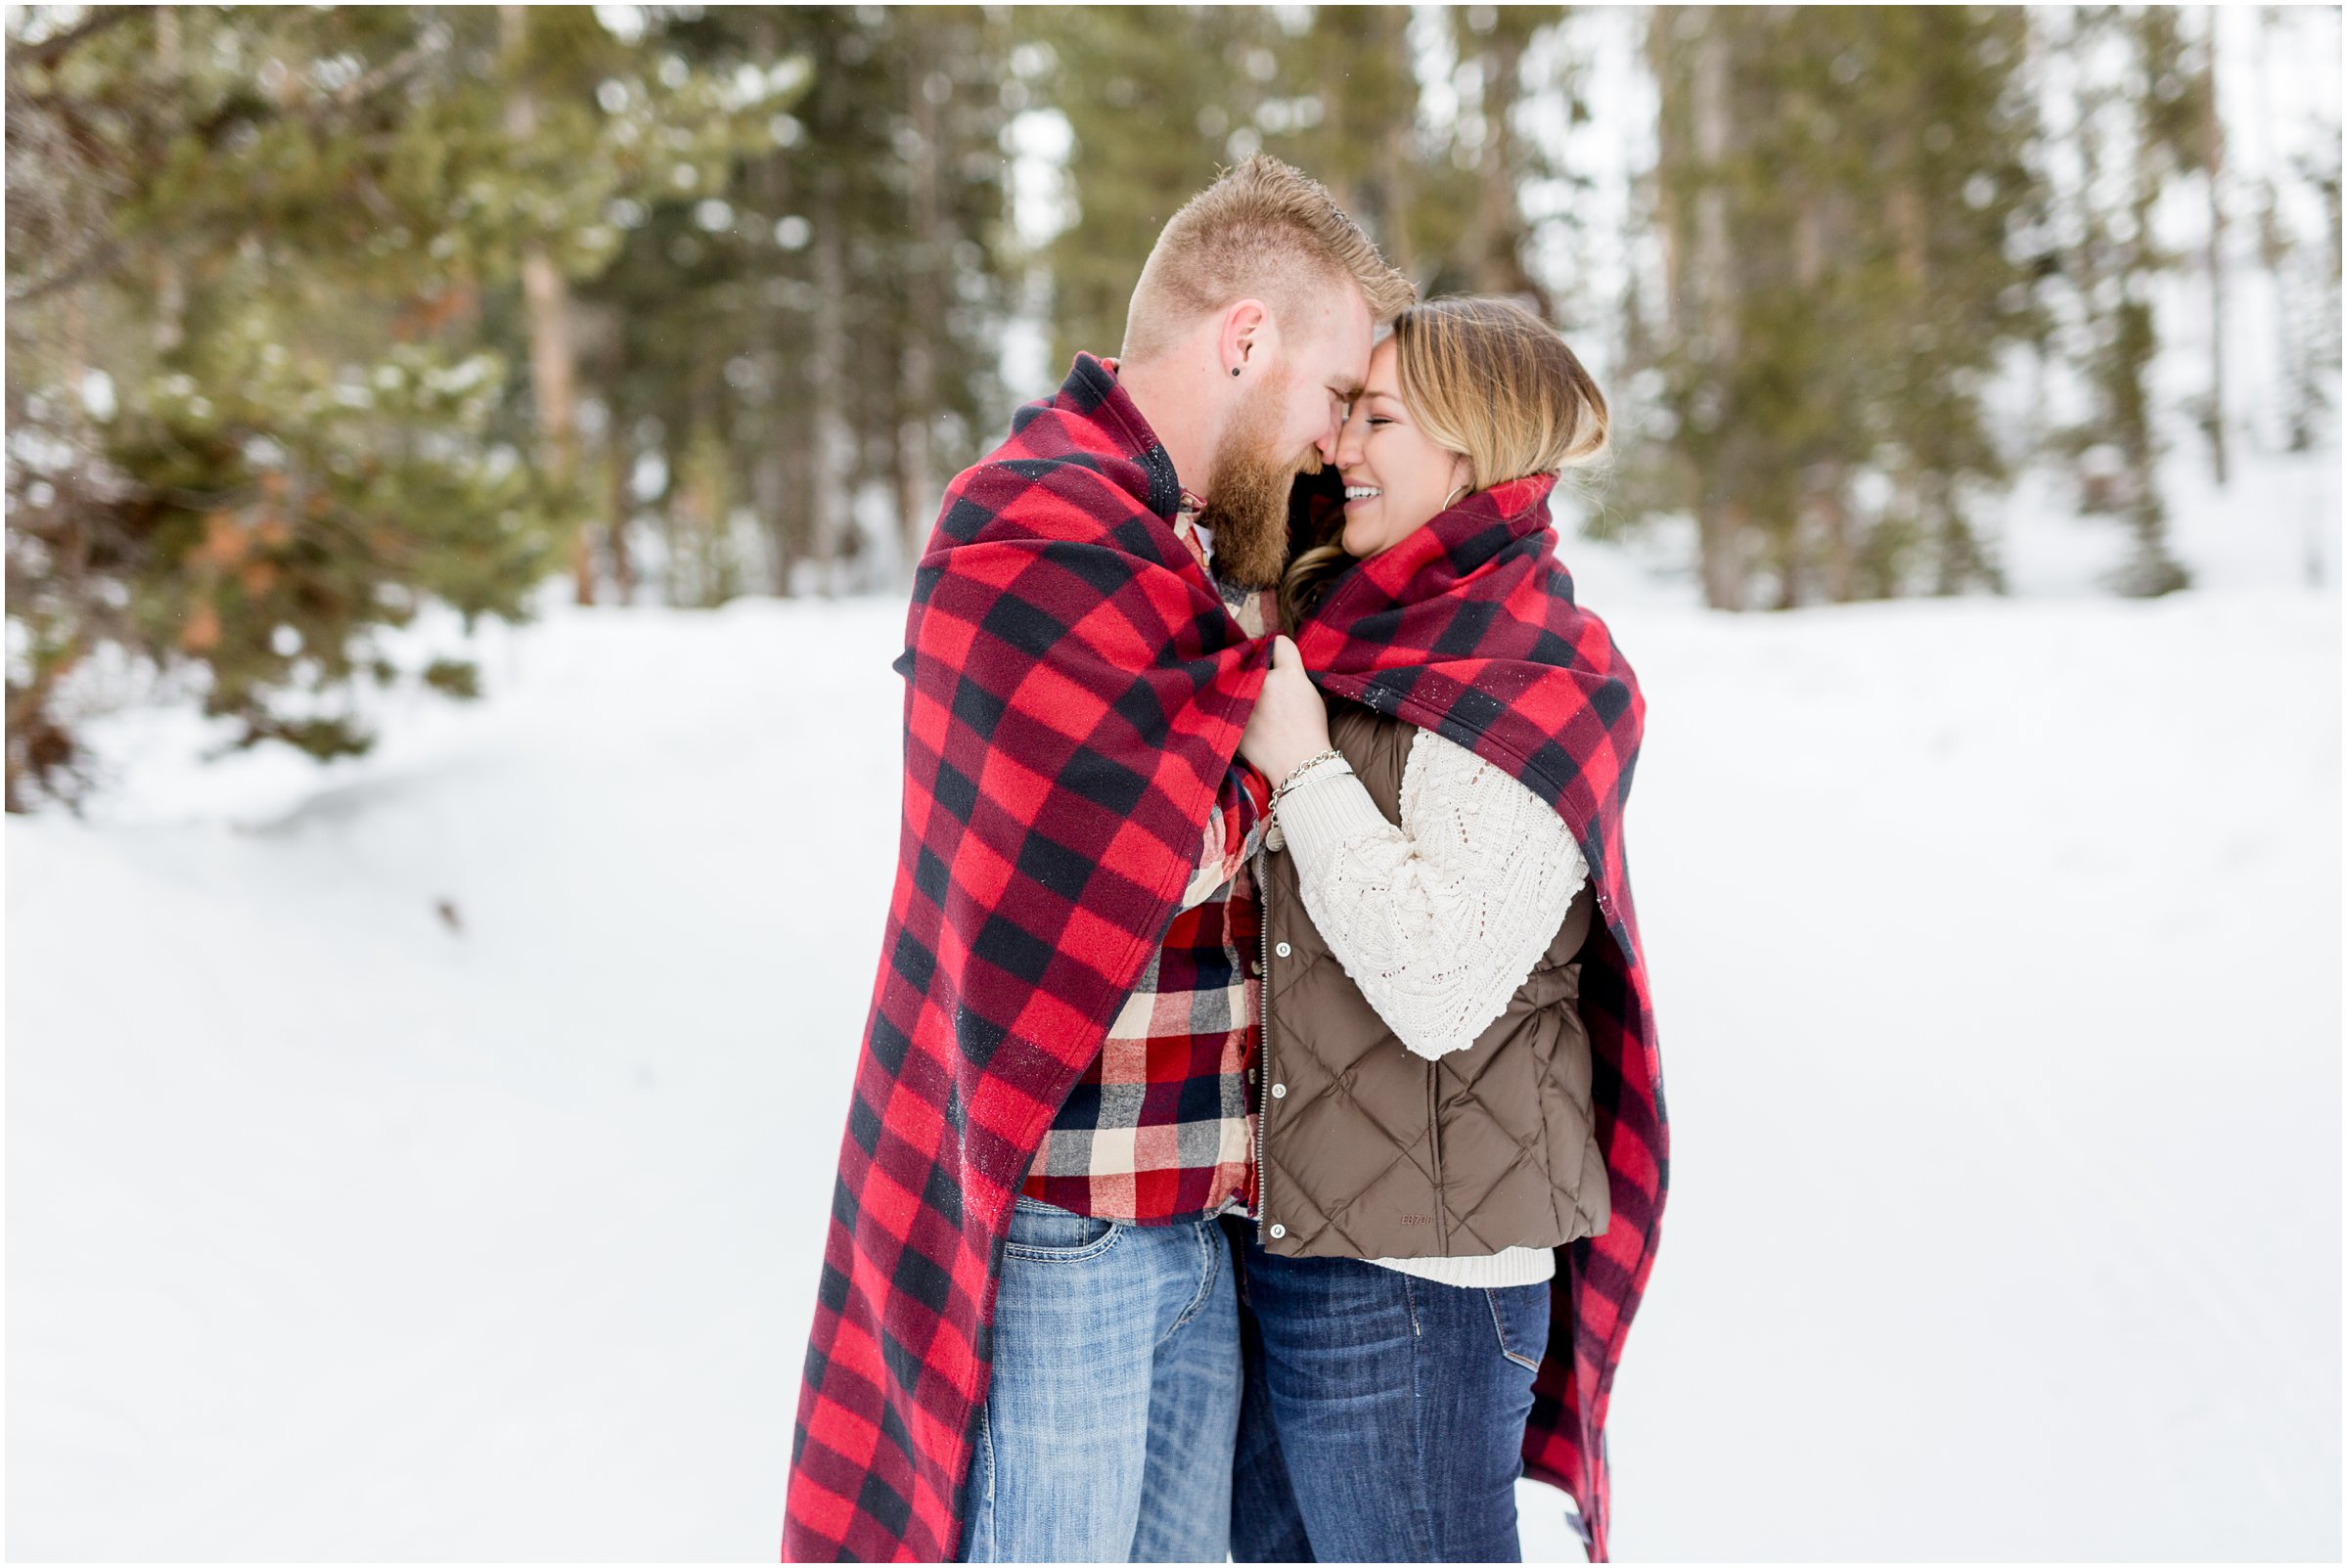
pixel 1370 1151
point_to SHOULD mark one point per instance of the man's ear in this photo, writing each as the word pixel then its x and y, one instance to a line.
pixel 1247 335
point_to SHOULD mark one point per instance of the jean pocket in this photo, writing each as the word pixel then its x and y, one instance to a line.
pixel 1519 1316
pixel 1044 1233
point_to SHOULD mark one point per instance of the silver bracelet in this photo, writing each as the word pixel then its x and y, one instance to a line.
pixel 1295 775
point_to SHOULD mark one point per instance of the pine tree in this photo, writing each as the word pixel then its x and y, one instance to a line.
pixel 1343 106
pixel 1836 189
pixel 2137 127
pixel 258 407
pixel 1489 257
pixel 1154 123
pixel 2300 258
pixel 854 275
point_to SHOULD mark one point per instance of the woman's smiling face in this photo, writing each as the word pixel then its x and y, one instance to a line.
pixel 1395 476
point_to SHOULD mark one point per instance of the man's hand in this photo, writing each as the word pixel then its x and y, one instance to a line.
pixel 1290 722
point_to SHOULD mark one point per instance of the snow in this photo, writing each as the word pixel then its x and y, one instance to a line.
pixel 1996 947
pixel 1995 944
pixel 337 1231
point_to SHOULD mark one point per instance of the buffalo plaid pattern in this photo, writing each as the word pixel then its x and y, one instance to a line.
pixel 1467 626
pixel 1161 1127
pixel 1076 689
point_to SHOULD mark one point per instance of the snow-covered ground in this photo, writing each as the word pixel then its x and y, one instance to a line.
pixel 1996 945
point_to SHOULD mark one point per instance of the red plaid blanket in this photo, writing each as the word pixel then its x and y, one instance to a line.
pixel 1467 626
pixel 1075 691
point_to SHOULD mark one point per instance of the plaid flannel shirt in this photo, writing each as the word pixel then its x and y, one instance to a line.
pixel 1161 1127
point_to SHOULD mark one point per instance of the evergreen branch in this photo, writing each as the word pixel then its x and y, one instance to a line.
pixel 51 50
pixel 99 258
pixel 104 254
pixel 387 74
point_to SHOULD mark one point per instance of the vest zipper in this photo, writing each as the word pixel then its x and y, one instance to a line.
pixel 1263 1043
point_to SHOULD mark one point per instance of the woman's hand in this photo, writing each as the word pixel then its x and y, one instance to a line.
pixel 1290 722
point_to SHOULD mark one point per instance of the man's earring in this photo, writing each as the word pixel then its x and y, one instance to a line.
pixel 1234 370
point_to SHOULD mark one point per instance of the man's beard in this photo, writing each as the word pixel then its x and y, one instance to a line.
pixel 1246 495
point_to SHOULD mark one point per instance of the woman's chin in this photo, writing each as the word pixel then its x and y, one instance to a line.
pixel 1359 545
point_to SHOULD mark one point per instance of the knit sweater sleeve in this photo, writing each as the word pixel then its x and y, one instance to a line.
pixel 1438 920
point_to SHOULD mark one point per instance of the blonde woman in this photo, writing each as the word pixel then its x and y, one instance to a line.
pixel 1460 1128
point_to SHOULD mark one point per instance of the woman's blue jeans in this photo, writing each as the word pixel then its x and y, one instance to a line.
pixel 1108 1429
pixel 1383 1417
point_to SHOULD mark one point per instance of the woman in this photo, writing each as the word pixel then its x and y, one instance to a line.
pixel 1428 1134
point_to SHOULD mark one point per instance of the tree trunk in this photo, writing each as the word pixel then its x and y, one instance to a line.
pixel 1394 156
pixel 546 296
pixel 782 454
pixel 1840 553
pixel 1713 290
pixel 834 437
pixel 1721 528
pixel 831 436
pixel 170 278
pixel 622 504
pixel 1497 247
pixel 2273 249
pixel 2213 135
pixel 917 383
pixel 767 495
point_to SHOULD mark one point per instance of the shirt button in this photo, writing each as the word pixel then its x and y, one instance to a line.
pixel 1254 966
pixel 1279 1231
pixel 1279 1091
pixel 1281 950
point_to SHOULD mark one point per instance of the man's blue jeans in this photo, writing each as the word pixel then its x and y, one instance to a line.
pixel 1107 1430
pixel 1383 1418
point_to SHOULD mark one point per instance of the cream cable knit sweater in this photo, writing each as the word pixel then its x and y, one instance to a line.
pixel 1437 920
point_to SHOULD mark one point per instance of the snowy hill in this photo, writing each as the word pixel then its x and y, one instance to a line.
pixel 428 1158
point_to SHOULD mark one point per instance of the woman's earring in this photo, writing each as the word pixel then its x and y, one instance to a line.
pixel 1446 500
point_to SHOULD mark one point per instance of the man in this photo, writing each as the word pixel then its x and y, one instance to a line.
pixel 1025 1322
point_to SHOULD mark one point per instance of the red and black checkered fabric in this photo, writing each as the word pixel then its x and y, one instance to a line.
pixel 1467 626
pixel 1161 1127
pixel 1076 692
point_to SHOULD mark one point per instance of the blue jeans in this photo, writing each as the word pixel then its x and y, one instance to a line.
pixel 1383 1418
pixel 1107 1430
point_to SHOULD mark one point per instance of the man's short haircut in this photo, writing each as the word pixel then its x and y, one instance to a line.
pixel 1263 230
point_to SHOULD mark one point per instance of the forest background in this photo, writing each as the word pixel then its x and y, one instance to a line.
pixel 318 317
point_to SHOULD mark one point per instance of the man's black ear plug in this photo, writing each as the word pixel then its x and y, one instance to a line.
pixel 1234 370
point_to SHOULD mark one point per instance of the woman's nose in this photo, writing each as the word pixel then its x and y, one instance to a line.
pixel 1349 444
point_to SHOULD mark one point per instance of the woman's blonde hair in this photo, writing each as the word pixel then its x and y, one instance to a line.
pixel 1490 380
